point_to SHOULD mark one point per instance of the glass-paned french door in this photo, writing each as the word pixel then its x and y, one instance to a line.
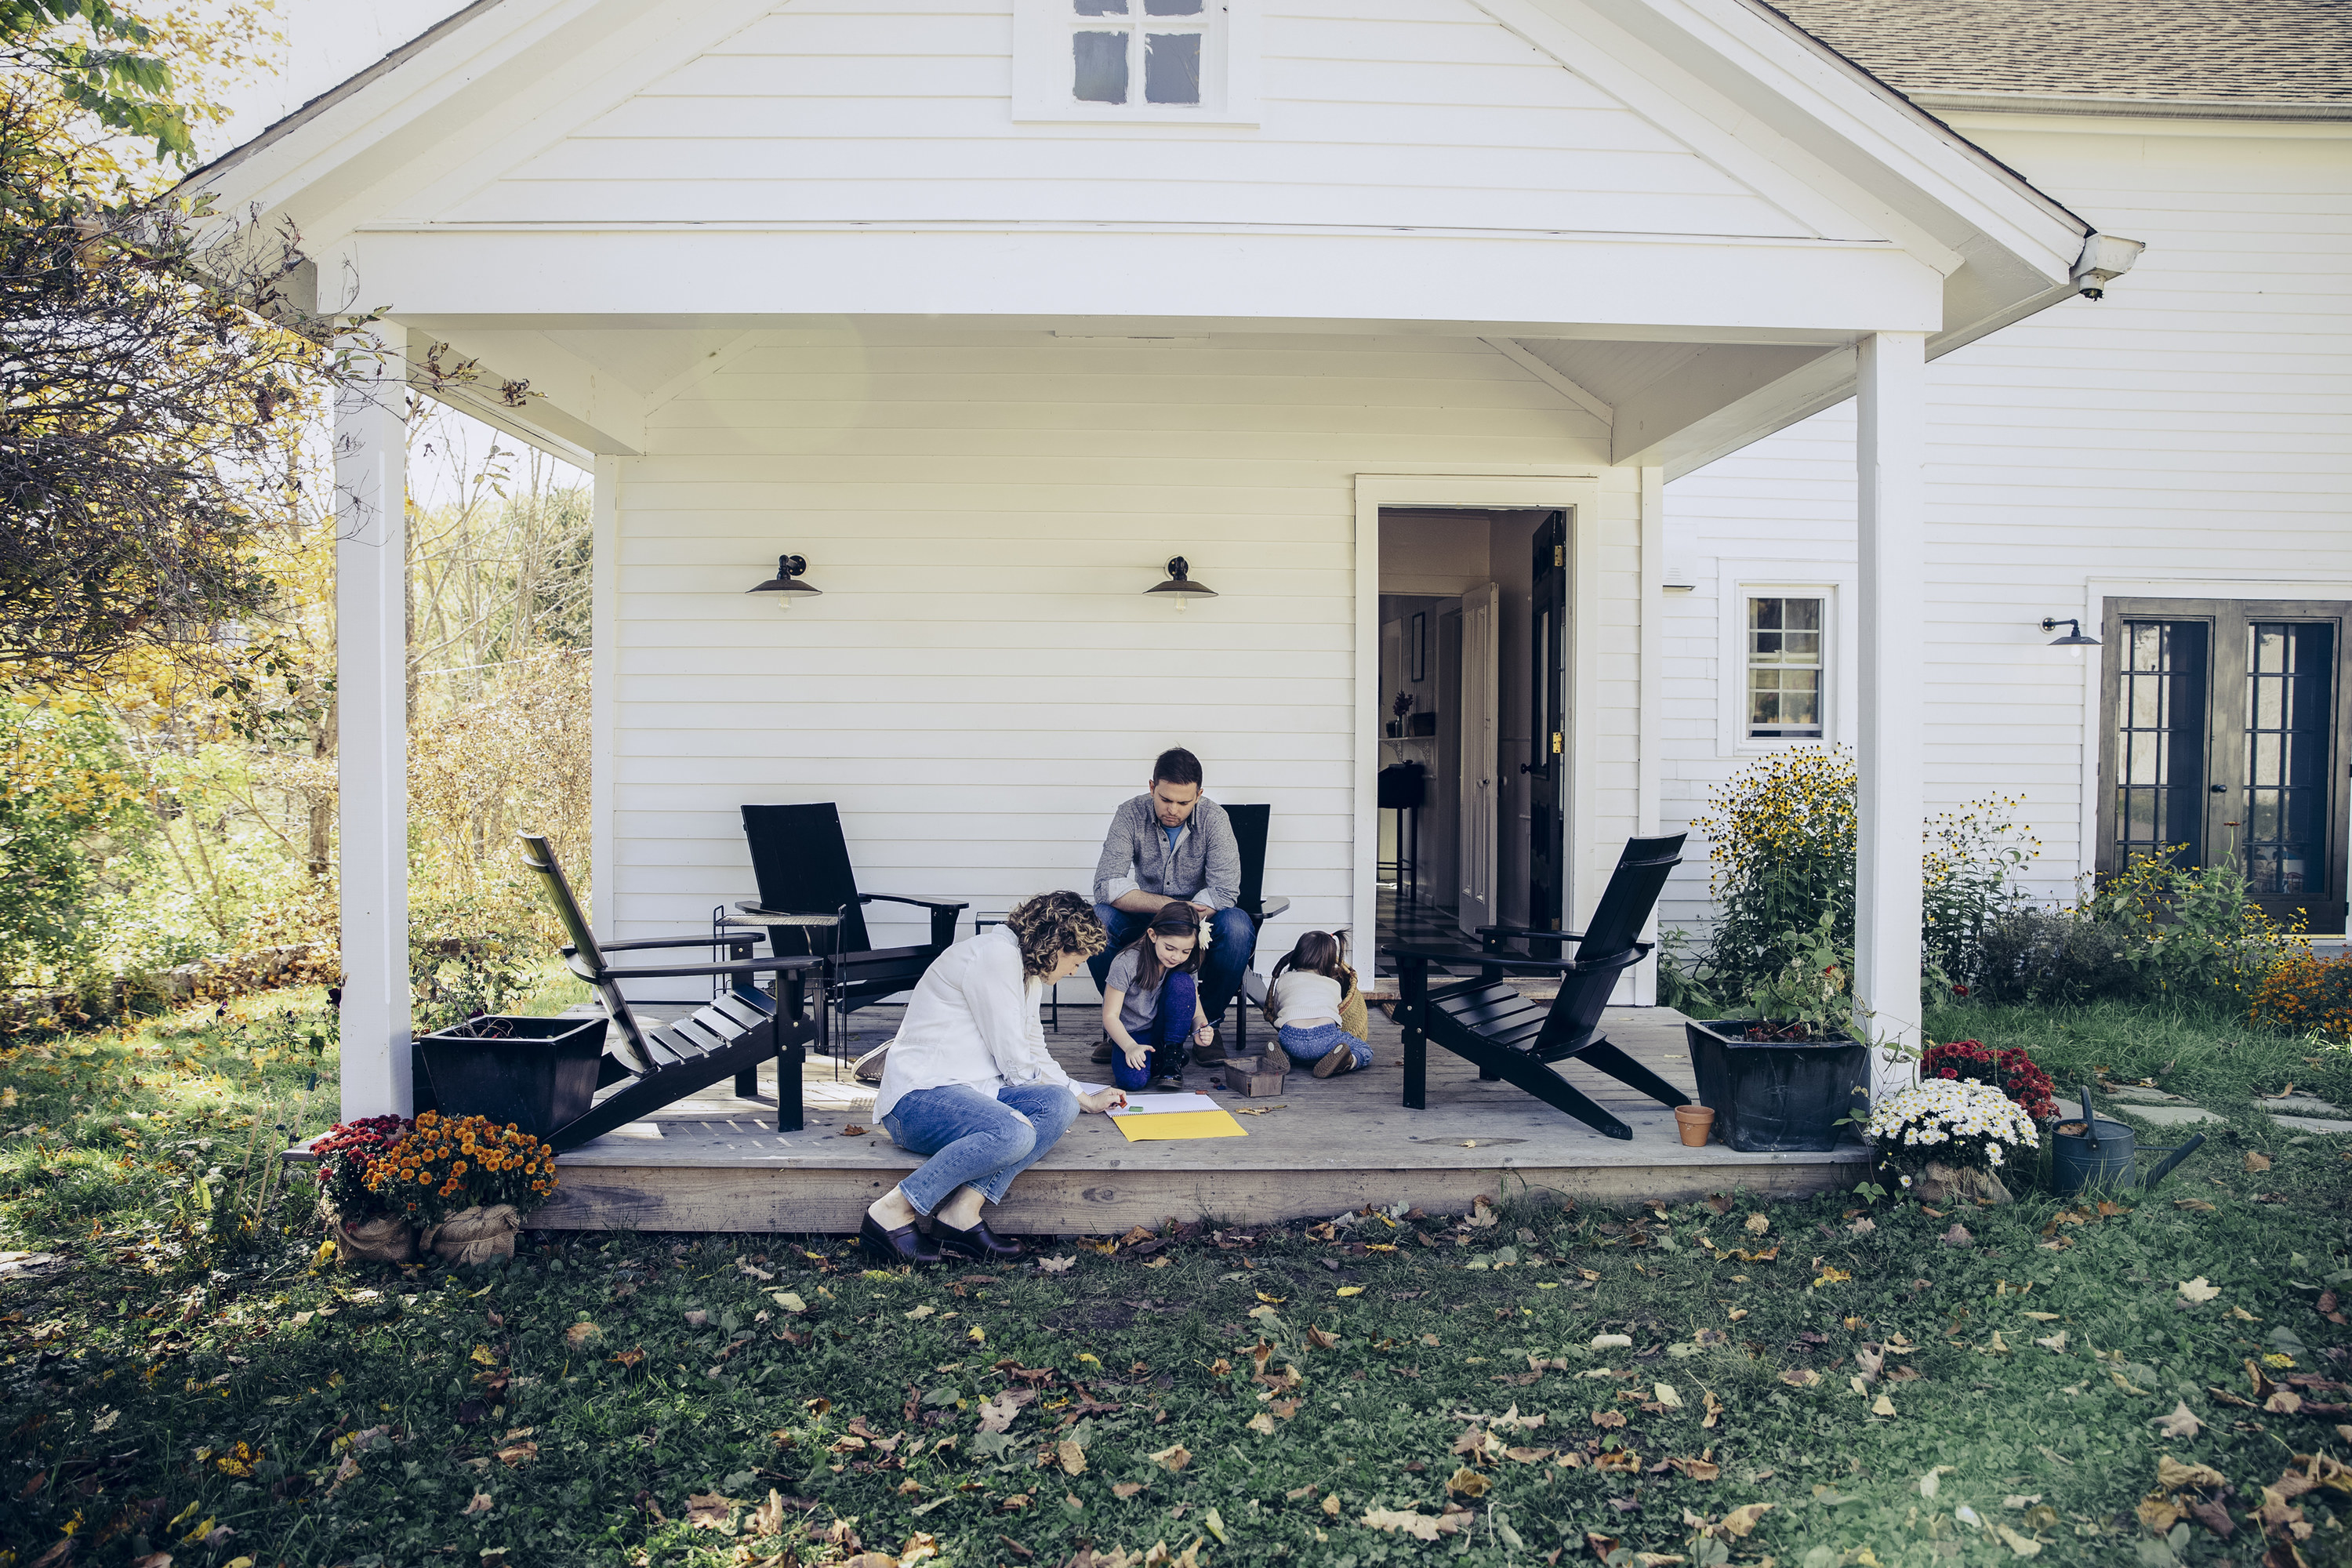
pixel 2228 733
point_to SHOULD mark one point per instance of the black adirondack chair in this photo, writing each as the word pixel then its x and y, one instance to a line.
pixel 1487 1021
pixel 801 862
pixel 654 1067
pixel 1250 824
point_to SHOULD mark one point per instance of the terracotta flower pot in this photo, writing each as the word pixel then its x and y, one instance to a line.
pixel 1695 1123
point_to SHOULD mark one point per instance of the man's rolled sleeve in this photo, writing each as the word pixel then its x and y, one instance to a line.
pixel 1115 870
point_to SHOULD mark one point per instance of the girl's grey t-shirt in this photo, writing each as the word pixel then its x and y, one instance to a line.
pixel 1137 1009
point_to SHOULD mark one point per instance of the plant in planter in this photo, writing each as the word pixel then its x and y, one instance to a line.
pixel 2011 1071
pixel 1786 1079
pixel 1949 1138
pixel 367 1227
pixel 467 1183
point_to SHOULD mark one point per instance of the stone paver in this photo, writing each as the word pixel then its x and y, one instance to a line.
pixel 2172 1115
pixel 2297 1105
pixel 2139 1095
pixel 2312 1123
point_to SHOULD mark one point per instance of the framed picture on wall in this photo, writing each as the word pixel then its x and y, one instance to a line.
pixel 1417 648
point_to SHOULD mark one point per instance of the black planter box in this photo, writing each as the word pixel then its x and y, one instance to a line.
pixel 1773 1098
pixel 538 1073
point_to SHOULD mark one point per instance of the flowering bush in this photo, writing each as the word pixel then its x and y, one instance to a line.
pixel 2301 992
pixel 344 1155
pixel 450 1164
pixel 1781 836
pixel 1959 1122
pixel 2011 1071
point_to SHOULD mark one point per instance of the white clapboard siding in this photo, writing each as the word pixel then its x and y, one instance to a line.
pixel 2193 427
pixel 1427 113
pixel 982 679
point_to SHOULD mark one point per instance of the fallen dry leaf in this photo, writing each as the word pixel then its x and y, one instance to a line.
pixel 1697 1470
pixel 853 1131
pixel 2181 1422
pixel 2055 1343
pixel 580 1335
pixel 518 1454
pixel 2172 1475
pixel 1608 1418
pixel 1957 1236
pixel 482 1503
pixel 996 1414
pixel 1319 1339
pixel 1800 1377
pixel 1172 1459
pixel 1742 1519
pixel 1057 1265
pixel 1073 1457
pixel 2196 1289
pixel 1125 1490
pixel 1882 1405
pixel 1467 1482
pixel 919 1313
pixel 708 1511
pixel 2257 1161
pixel 2019 1545
pixel 1526 1456
pixel 1261 1424
pixel 1757 1225
pixel 1352 1289
pixel 1420 1526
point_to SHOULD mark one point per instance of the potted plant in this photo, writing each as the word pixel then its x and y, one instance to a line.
pixel 1787 1079
pixel 536 1073
pixel 466 1183
pixel 1949 1138
pixel 366 1226
pixel 2011 1071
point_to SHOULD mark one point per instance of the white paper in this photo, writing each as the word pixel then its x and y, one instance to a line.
pixel 1165 1104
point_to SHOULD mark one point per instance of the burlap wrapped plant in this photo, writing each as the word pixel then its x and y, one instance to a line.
pixel 367 1227
pixel 467 1182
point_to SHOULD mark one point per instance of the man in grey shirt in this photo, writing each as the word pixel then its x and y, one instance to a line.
pixel 1171 845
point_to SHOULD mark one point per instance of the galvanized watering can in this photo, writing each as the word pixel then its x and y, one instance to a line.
pixel 2104 1156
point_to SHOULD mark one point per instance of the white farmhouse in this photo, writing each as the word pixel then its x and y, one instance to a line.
pixel 989 309
pixel 2170 468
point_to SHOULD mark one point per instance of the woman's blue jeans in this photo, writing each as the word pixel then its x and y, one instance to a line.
pixel 974 1141
pixel 1169 1037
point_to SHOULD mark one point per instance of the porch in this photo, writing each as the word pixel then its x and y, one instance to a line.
pixel 717 1161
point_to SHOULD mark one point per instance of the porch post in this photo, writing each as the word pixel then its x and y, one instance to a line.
pixel 1890 456
pixel 371 725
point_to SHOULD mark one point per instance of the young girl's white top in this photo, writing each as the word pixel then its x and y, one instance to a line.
pixel 1302 998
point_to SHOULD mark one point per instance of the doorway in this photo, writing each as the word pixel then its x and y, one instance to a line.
pixel 2226 733
pixel 1471 668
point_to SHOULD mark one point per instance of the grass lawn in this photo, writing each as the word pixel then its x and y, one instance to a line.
pixel 1240 1397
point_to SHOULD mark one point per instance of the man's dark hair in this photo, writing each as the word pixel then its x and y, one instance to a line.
pixel 1177 766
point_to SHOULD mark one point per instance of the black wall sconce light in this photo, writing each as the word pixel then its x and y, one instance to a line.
pixel 786 583
pixel 1179 584
pixel 2074 638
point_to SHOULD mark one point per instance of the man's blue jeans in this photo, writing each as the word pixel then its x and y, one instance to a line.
pixel 1232 941
pixel 1165 1040
pixel 974 1141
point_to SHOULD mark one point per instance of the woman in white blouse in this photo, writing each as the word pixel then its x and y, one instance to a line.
pixel 969 1082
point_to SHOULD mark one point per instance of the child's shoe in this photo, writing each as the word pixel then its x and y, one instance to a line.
pixel 1335 1061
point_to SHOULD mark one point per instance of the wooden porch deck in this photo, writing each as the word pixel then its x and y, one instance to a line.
pixel 718 1163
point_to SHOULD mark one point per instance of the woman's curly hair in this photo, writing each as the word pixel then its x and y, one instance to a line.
pixel 1051 924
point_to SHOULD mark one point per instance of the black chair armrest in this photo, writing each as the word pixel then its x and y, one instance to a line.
pixel 932 904
pixel 748 967
pixel 1507 932
pixel 1435 954
pixel 1267 909
pixel 640 945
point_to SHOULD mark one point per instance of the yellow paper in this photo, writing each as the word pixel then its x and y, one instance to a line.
pixel 1180 1124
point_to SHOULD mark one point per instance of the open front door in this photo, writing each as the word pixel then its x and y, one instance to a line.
pixel 1481 751
pixel 1547 730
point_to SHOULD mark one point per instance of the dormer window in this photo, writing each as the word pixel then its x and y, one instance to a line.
pixel 1138 51
pixel 1194 61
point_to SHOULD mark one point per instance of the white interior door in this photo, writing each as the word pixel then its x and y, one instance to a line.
pixel 1481 748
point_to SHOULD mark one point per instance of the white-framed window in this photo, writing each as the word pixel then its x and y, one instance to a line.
pixel 1784 671
pixel 1135 62
pixel 1787 636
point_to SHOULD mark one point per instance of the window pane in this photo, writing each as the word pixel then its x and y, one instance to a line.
pixel 1102 8
pixel 2288 702
pixel 2161 739
pixel 1784 675
pixel 1171 68
pixel 1100 73
pixel 1171 7
pixel 1764 615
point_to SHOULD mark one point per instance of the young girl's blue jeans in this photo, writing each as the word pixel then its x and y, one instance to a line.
pixel 1308 1043
pixel 1165 1038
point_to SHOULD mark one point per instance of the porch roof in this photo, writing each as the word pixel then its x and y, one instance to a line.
pixel 1689 342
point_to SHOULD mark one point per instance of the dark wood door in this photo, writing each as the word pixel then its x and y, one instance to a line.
pixel 1547 728
pixel 2226 735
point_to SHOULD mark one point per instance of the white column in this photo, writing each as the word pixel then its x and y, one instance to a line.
pixel 1890 461
pixel 605 656
pixel 1648 721
pixel 371 724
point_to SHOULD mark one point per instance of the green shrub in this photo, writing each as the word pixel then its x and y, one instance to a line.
pixel 72 807
pixel 2192 933
pixel 2064 957
pixel 1780 836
